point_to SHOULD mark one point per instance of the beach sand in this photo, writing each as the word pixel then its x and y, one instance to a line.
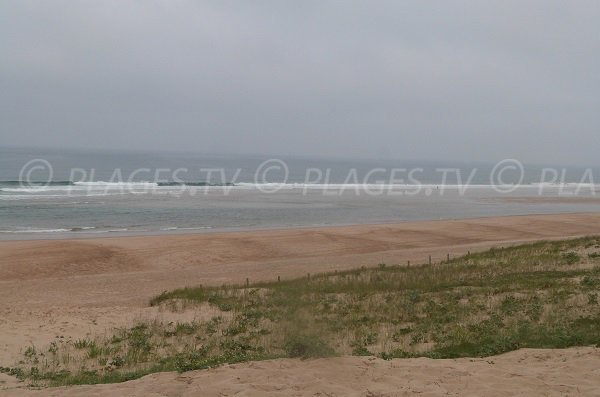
pixel 76 288
pixel 527 372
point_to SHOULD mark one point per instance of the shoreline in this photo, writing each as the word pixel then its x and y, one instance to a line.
pixel 201 231
pixel 500 229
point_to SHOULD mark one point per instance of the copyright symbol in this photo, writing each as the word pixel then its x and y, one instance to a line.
pixel 498 175
pixel 36 166
pixel 272 165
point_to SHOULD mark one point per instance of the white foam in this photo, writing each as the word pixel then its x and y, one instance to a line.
pixel 14 197
pixel 36 231
pixel 114 184
pixel 172 228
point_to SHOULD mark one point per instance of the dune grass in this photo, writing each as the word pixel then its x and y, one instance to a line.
pixel 542 295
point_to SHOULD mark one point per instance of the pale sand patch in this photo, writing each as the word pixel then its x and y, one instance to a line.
pixel 527 372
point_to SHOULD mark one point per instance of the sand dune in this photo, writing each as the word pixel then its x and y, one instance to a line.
pixel 527 372
pixel 76 288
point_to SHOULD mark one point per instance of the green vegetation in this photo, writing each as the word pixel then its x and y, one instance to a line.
pixel 542 295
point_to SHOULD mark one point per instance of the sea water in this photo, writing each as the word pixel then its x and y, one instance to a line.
pixel 95 193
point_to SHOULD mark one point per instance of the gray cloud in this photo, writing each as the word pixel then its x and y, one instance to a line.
pixel 411 79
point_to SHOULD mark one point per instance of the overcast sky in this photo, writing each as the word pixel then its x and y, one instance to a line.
pixel 473 80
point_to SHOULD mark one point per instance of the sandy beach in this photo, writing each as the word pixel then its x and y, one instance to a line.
pixel 75 288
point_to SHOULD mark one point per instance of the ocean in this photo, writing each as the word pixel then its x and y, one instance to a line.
pixel 55 193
